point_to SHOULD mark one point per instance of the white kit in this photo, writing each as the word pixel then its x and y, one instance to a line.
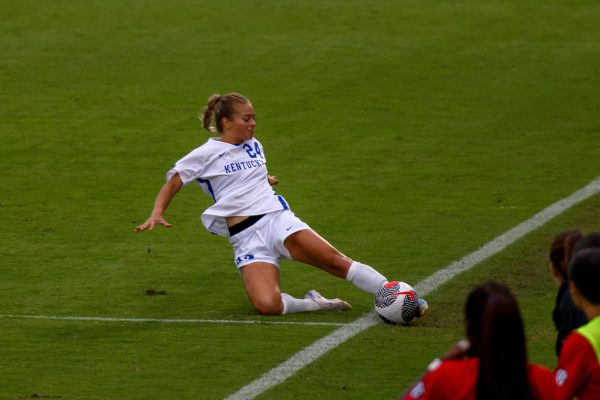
pixel 236 178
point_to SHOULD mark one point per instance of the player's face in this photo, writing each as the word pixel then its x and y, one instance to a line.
pixel 241 126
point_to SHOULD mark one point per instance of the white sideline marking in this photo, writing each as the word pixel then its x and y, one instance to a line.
pixel 169 320
pixel 309 354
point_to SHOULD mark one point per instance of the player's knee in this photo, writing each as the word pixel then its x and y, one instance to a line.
pixel 268 306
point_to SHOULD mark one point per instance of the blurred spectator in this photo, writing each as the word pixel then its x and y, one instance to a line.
pixel 565 315
pixel 492 364
pixel 578 370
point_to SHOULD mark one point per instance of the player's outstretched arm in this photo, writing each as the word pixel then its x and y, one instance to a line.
pixel 164 197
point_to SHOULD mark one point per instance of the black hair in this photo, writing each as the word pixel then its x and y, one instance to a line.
pixel 561 250
pixel 584 272
pixel 588 241
pixel 495 330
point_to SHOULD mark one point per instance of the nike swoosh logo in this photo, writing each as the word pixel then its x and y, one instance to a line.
pixel 287 229
pixel 410 295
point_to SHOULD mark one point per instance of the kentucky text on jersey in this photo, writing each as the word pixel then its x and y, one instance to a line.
pixel 240 166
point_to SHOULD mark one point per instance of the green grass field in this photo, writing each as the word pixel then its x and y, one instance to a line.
pixel 407 133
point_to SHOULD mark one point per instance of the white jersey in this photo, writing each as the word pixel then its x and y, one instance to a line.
pixel 236 178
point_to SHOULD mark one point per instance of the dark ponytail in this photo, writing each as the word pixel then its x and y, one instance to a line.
pixel 218 107
pixel 495 329
pixel 561 250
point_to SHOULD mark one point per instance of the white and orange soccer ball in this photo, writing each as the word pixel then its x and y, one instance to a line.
pixel 396 303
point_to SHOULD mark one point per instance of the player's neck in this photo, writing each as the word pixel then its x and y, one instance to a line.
pixel 231 139
pixel 591 311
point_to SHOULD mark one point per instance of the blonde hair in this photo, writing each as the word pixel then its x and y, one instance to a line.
pixel 218 107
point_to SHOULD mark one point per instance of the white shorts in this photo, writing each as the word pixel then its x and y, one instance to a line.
pixel 263 241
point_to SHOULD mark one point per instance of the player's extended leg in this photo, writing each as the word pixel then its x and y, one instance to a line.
pixel 261 281
pixel 310 248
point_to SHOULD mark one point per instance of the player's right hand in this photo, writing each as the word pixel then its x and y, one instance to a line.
pixel 151 222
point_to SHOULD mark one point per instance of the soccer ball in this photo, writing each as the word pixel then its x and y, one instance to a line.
pixel 396 302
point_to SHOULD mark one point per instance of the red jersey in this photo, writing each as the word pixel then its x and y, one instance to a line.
pixel 457 380
pixel 578 370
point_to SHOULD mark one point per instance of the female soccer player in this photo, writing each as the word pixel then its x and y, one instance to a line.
pixel 231 167
pixel 492 364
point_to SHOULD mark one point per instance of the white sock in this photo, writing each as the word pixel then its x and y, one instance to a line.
pixel 365 277
pixel 294 305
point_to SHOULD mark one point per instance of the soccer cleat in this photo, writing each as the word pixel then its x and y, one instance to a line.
pixel 422 308
pixel 327 304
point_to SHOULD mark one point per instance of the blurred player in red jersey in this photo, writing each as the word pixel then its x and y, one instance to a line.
pixel 578 370
pixel 492 364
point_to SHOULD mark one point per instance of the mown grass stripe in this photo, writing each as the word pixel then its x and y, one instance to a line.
pixel 169 320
